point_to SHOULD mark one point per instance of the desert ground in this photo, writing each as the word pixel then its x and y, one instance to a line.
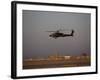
pixel 57 61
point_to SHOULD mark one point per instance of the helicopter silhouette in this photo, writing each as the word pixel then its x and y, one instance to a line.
pixel 58 34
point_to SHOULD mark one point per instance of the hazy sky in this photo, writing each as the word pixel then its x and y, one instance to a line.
pixel 38 44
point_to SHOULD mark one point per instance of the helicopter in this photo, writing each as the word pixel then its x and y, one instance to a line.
pixel 58 34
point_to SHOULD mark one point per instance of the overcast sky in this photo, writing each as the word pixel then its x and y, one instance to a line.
pixel 38 44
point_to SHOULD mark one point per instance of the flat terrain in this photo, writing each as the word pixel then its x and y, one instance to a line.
pixel 49 63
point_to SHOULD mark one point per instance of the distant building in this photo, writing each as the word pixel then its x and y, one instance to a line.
pixel 67 57
pixel 56 57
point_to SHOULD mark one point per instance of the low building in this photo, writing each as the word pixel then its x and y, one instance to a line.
pixel 56 57
pixel 67 57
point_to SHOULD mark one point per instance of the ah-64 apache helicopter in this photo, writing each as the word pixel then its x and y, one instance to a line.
pixel 58 33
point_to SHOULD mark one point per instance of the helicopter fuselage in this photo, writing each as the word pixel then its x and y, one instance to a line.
pixel 58 34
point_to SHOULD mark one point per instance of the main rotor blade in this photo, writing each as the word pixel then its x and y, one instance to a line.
pixel 64 29
pixel 50 31
pixel 60 30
